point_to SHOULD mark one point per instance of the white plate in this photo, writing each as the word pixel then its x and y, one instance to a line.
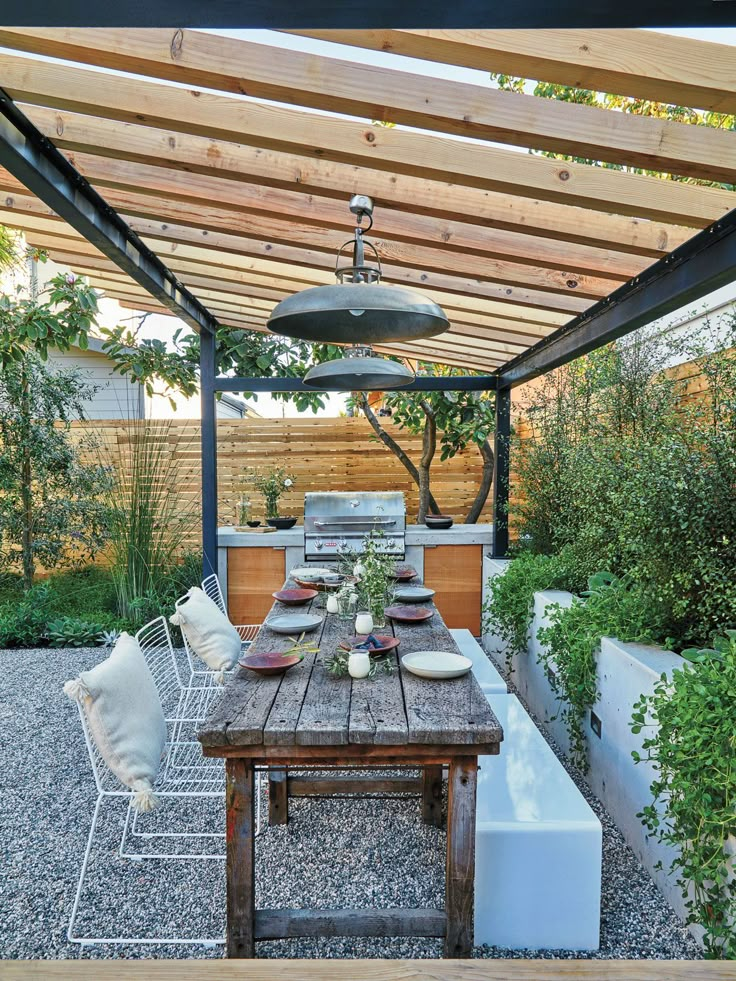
pixel 293 623
pixel 413 594
pixel 309 572
pixel 437 664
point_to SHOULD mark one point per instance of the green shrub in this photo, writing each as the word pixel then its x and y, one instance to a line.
pixel 509 607
pixel 693 748
pixel 73 632
pixel 23 619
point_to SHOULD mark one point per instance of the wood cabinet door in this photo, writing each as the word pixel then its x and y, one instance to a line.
pixel 252 575
pixel 455 573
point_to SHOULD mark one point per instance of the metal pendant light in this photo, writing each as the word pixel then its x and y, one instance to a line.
pixel 359 371
pixel 358 309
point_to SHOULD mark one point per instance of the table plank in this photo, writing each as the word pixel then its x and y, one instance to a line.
pixel 443 712
pixel 241 716
pixel 377 712
pixel 325 711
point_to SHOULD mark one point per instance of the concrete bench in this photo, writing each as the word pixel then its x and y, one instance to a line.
pixel 485 671
pixel 538 845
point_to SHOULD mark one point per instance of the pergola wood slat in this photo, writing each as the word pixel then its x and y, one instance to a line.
pixel 197 274
pixel 500 338
pixel 328 179
pixel 168 238
pixel 327 213
pixel 346 87
pixel 404 151
pixel 641 64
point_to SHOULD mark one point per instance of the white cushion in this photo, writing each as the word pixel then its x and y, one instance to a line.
pixel 124 717
pixel 208 631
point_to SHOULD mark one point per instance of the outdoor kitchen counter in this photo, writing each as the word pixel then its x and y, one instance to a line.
pixel 228 537
pixel 449 561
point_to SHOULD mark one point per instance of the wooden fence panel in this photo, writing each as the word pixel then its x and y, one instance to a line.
pixel 339 454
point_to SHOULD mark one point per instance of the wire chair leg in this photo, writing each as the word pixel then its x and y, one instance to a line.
pixel 90 837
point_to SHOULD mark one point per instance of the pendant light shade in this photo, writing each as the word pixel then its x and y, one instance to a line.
pixel 357 313
pixel 360 371
pixel 358 308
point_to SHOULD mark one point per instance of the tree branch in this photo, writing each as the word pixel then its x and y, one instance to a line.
pixel 486 482
pixel 397 451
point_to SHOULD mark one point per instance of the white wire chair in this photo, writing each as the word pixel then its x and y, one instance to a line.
pixel 198 674
pixel 184 706
pixel 204 779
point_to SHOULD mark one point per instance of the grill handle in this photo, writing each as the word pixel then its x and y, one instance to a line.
pixel 354 522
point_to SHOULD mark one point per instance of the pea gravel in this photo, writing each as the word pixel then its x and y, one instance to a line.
pixel 363 852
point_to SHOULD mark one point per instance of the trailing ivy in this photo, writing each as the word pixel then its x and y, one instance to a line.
pixel 608 608
pixel 509 607
pixel 690 721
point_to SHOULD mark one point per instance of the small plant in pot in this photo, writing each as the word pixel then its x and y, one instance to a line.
pixel 272 484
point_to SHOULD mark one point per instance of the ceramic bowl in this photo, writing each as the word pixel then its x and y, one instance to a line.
pixel 403 573
pixel 295 597
pixel 409 614
pixel 438 665
pixel 438 521
pixel 269 662
pixel 293 624
pixel 253 524
pixel 389 642
pixel 413 594
pixel 281 523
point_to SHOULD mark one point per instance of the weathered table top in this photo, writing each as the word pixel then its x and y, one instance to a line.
pixel 307 707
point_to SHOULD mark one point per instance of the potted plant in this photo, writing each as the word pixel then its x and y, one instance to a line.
pixel 272 484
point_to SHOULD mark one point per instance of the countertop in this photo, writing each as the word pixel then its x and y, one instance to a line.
pixel 480 534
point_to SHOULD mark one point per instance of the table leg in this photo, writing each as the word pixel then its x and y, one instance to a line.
pixel 460 866
pixel 432 795
pixel 241 879
pixel 278 797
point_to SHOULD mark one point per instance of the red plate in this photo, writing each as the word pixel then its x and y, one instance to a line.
pixel 404 573
pixel 295 597
pixel 390 643
pixel 409 614
pixel 269 662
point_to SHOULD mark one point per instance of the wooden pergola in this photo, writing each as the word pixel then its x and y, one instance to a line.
pixel 215 197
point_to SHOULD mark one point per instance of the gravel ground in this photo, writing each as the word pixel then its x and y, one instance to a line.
pixel 333 853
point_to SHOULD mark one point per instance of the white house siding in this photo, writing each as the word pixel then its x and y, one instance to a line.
pixel 116 398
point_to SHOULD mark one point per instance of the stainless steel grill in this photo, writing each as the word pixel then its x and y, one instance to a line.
pixel 337 521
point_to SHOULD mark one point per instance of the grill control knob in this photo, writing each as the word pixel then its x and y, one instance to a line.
pixel 355 503
pixel 390 543
pixel 319 545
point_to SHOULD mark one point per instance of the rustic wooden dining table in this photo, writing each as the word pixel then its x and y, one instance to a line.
pixel 308 720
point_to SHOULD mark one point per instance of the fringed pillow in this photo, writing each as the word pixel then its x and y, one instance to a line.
pixel 124 717
pixel 208 632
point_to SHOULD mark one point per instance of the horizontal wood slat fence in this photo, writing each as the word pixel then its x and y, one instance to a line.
pixel 339 454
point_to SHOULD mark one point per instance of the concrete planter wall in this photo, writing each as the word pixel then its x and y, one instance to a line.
pixel 624 673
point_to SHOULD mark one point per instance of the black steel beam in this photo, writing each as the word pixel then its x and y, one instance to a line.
pixel 377 14
pixel 704 263
pixel 501 474
pixel 36 162
pixel 208 437
pixel 451 383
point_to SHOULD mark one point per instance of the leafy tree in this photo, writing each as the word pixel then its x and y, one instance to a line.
pixel 620 103
pixel 455 419
pixel 49 497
